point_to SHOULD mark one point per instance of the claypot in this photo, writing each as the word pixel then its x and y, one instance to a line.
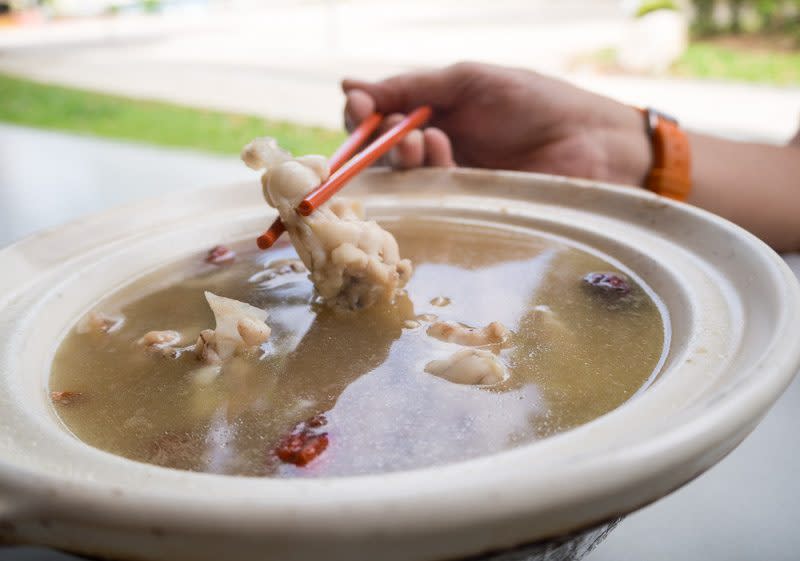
pixel 732 305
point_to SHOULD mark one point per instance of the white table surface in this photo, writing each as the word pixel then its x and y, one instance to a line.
pixel 747 508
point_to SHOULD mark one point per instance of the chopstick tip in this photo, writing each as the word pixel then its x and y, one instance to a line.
pixel 305 208
pixel 265 240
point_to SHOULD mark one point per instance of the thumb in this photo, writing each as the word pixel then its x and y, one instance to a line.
pixel 358 106
pixel 405 92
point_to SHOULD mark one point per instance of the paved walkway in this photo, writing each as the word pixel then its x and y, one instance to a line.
pixel 286 61
pixel 85 175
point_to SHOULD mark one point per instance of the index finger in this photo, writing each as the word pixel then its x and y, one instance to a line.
pixel 358 106
pixel 404 92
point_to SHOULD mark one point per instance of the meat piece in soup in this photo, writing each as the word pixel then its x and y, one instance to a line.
pixel 469 366
pixel 164 342
pixel 99 322
pixel 239 326
pixel 354 263
pixel 493 334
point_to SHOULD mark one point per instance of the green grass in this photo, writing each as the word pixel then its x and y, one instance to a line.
pixel 651 6
pixel 708 60
pixel 722 59
pixel 25 102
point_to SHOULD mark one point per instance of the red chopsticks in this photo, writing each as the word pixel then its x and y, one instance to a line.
pixel 359 162
pixel 345 151
pixel 342 170
pixel 353 142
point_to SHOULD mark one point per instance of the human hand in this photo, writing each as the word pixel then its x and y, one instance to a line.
pixel 495 117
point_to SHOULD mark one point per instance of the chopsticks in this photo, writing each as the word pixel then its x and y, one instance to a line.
pixel 353 142
pixel 362 160
pixel 342 170
pixel 349 147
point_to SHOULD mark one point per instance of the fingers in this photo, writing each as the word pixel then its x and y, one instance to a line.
pixel 405 92
pixel 398 95
pixel 389 122
pixel 439 151
pixel 359 106
pixel 409 153
pixel 429 147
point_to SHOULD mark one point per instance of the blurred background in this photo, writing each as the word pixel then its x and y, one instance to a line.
pixel 103 102
pixel 190 81
pixel 721 65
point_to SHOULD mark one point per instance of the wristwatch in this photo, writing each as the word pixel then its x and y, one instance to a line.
pixel 670 174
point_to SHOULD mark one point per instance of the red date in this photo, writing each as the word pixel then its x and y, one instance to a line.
pixel 300 448
pixel 66 398
pixel 304 443
pixel 612 284
pixel 317 421
pixel 220 255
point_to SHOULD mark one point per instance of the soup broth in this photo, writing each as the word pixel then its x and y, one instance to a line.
pixel 358 380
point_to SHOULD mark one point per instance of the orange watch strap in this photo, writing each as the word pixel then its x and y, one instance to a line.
pixel 670 174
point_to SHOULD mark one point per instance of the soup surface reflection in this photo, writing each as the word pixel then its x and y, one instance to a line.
pixel 576 352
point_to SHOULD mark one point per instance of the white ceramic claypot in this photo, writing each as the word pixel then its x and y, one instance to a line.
pixel 731 300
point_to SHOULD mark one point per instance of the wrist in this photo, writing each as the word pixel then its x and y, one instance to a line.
pixel 628 151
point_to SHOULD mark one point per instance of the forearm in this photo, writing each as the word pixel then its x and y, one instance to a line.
pixel 755 186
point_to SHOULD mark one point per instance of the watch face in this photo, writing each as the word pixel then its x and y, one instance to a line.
pixel 653 115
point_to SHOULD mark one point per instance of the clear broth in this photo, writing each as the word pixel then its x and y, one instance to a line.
pixel 364 371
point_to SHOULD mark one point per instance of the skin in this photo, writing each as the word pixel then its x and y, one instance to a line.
pixel 503 118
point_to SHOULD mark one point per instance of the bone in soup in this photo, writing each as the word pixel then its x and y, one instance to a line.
pixel 498 339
